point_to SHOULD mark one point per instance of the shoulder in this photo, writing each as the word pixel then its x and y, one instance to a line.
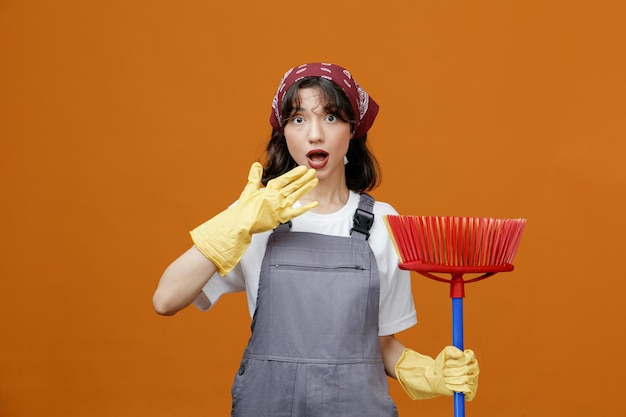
pixel 381 208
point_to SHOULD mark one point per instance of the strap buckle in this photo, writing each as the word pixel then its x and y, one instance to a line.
pixel 362 222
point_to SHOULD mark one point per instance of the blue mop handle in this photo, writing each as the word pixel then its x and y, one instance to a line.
pixel 457 341
pixel 457 293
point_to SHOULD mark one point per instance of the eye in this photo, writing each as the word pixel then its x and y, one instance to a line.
pixel 331 118
pixel 297 120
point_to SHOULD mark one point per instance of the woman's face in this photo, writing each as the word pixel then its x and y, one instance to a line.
pixel 317 139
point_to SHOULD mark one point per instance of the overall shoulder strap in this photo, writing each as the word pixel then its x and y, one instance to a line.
pixel 283 227
pixel 363 217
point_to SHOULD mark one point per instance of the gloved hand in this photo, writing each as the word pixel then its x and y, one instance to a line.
pixel 423 377
pixel 225 238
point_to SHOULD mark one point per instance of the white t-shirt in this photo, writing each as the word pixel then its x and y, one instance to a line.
pixel 396 312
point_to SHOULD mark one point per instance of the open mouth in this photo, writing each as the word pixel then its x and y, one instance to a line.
pixel 317 155
pixel 317 158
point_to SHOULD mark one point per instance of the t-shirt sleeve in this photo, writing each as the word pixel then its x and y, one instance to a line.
pixel 397 308
pixel 218 286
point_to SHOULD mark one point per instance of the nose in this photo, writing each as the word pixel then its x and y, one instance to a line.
pixel 316 133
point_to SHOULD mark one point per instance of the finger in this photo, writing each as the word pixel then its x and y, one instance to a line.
pixel 456 372
pixel 467 384
pixel 459 362
pixel 456 357
pixel 254 181
pixel 464 384
pixel 293 212
pixel 255 173
pixel 254 177
pixel 473 368
pixel 299 186
pixel 470 354
pixel 299 182
pixel 287 178
pixel 302 190
pixel 468 369
pixel 453 352
pixel 458 387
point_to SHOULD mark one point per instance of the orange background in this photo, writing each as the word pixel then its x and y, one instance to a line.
pixel 126 123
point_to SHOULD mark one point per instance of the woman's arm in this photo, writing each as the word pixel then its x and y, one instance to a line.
pixel 182 282
pixel 391 350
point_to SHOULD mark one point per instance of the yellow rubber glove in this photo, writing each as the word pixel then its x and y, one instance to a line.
pixel 423 377
pixel 225 238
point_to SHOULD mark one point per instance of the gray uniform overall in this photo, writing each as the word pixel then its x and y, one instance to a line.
pixel 314 349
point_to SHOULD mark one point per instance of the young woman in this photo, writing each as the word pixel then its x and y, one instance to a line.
pixel 310 248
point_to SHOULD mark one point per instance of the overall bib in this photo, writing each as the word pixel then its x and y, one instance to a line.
pixel 314 349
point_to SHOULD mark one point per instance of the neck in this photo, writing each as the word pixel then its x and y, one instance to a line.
pixel 330 198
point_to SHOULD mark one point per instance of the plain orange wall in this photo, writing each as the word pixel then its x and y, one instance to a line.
pixel 124 124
